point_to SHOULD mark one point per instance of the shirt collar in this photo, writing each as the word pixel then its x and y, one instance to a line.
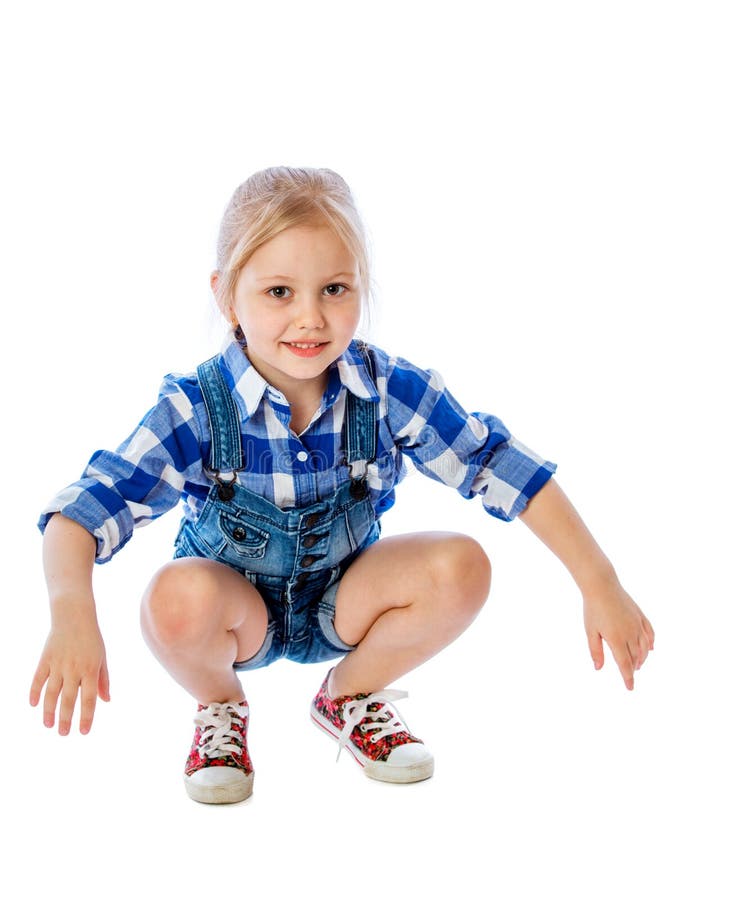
pixel 249 387
pixel 354 375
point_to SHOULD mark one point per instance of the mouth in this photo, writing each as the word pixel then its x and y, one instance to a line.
pixel 306 349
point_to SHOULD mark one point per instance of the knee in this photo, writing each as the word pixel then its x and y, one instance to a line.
pixel 176 607
pixel 461 569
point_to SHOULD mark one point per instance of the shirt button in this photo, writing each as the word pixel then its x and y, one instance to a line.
pixel 302 456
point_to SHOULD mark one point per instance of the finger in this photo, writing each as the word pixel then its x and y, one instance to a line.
pixel 51 695
pixel 104 682
pixel 39 680
pixel 649 631
pixel 626 667
pixel 644 648
pixel 636 654
pixel 595 643
pixel 639 650
pixel 66 706
pixel 87 704
pixel 638 658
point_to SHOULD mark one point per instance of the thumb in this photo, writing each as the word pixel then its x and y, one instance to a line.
pixel 595 642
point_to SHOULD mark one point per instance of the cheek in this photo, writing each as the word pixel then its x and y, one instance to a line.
pixel 350 317
pixel 258 322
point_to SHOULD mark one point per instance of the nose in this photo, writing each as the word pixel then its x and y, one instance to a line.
pixel 309 314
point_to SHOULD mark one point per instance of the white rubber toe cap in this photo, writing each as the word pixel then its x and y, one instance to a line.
pixel 408 755
pixel 405 764
pixel 217 776
pixel 219 784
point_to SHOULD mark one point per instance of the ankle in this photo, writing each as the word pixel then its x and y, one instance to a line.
pixel 337 687
pixel 235 700
pixel 330 687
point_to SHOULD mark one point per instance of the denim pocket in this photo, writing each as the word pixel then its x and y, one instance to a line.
pixel 243 538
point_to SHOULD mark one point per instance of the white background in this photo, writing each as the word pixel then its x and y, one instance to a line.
pixel 551 192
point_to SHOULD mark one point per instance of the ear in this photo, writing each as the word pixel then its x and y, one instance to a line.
pixel 223 305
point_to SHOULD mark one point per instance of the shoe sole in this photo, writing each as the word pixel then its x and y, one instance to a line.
pixel 222 793
pixel 379 771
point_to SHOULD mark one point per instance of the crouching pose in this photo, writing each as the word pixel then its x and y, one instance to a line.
pixel 285 449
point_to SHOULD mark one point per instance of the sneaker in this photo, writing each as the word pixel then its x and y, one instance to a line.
pixel 218 769
pixel 375 735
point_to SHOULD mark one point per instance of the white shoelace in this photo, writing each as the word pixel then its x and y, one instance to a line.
pixel 383 721
pixel 217 722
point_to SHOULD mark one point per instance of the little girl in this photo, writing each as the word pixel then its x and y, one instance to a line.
pixel 286 449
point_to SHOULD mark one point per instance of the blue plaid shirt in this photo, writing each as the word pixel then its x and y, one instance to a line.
pixel 164 460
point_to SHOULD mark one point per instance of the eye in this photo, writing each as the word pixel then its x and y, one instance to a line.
pixel 279 296
pixel 336 290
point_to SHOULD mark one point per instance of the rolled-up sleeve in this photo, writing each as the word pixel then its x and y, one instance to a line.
pixel 471 452
pixel 139 481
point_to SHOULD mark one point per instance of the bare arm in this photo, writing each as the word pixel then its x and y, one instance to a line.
pixel 609 612
pixel 73 659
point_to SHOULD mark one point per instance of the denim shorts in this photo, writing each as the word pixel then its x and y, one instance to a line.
pixel 314 546
pixel 300 624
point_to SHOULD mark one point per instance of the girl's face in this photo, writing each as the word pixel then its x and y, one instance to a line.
pixel 298 303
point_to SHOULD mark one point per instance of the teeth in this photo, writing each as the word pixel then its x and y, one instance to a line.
pixel 304 346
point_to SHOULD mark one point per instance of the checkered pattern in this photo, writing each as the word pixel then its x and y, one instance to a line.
pixel 163 461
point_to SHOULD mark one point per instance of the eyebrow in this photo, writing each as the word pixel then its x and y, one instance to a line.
pixel 290 277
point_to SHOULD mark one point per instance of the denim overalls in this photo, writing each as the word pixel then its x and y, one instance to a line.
pixel 294 557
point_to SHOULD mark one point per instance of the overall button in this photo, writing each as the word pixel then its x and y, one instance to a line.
pixel 358 488
pixel 310 540
pixel 226 492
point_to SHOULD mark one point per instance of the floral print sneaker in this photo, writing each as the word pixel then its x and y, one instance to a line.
pixel 219 769
pixel 375 735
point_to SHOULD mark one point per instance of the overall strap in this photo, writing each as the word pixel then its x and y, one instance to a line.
pixel 226 452
pixel 359 433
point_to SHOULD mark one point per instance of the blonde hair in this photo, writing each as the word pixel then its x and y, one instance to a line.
pixel 278 198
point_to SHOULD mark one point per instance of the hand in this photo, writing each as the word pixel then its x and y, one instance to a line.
pixel 611 615
pixel 73 660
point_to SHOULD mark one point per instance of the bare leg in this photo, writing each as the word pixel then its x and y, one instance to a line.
pixel 199 617
pixel 402 601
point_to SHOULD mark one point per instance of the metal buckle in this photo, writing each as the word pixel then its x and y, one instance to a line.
pixel 226 489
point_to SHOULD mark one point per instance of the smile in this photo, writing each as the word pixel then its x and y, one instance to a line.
pixel 305 348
